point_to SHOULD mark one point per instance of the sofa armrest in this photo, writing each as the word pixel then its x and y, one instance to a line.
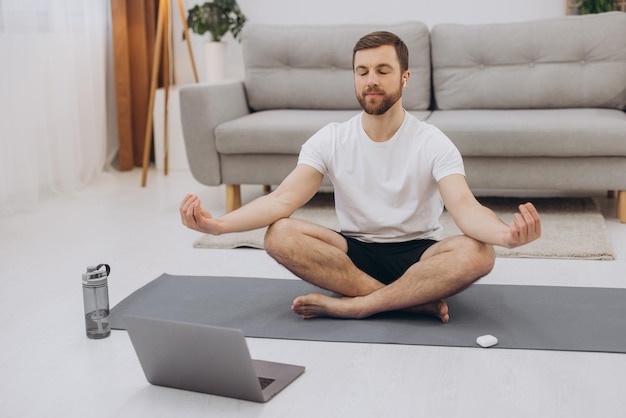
pixel 202 108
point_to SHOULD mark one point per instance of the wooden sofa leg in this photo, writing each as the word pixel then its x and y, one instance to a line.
pixel 233 197
pixel 621 205
pixel 611 194
pixel 267 188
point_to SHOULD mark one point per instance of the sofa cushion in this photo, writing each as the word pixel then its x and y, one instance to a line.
pixel 534 133
pixel 574 61
pixel 310 67
pixel 278 131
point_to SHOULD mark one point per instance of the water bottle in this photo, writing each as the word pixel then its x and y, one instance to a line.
pixel 96 301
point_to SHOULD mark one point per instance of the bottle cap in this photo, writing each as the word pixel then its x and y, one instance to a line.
pixel 95 277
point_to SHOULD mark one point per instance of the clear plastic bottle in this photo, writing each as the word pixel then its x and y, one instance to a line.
pixel 96 301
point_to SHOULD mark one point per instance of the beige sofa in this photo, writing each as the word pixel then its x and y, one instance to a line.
pixel 531 106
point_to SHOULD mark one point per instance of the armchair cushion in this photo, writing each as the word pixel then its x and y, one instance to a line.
pixel 310 67
pixel 574 61
pixel 535 132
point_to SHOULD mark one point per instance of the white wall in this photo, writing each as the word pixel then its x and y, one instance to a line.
pixel 295 12
pixel 388 11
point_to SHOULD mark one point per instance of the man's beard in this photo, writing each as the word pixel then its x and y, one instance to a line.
pixel 379 109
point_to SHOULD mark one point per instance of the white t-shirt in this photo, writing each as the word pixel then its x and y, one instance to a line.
pixel 385 191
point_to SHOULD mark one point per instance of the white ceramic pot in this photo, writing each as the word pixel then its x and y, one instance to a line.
pixel 214 61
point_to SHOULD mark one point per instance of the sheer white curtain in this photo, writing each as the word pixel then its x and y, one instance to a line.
pixel 52 98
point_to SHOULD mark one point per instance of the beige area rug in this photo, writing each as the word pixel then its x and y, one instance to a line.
pixel 571 227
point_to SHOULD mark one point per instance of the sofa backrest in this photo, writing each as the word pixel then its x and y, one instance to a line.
pixel 574 61
pixel 310 67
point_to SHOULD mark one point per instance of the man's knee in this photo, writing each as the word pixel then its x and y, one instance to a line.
pixel 481 257
pixel 278 237
pixel 475 259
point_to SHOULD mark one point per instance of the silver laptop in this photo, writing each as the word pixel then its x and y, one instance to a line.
pixel 206 359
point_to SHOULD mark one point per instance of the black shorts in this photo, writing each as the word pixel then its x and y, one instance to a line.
pixel 386 262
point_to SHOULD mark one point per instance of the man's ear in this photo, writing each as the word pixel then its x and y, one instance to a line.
pixel 405 78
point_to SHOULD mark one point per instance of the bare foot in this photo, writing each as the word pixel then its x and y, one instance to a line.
pixel 438 308
pixel 316 305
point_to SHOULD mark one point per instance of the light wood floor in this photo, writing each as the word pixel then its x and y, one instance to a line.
pixel 48 368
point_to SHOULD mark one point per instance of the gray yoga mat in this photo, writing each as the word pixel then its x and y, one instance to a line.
pixel 521 317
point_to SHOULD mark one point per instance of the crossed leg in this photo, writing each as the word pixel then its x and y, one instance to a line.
pixel 319 256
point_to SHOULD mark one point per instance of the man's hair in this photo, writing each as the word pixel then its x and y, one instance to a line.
pixel 380 38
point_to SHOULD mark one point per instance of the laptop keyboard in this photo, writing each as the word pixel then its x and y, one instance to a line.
pixel 265 382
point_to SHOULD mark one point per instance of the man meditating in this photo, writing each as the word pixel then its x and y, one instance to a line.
pixel 392 175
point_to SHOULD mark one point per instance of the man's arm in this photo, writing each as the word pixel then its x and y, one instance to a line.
pixel 297 189
pixel 481 223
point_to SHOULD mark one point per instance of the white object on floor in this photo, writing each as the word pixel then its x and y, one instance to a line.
pixel 486 341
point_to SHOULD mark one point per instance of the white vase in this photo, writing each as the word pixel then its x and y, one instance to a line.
pixel 214 61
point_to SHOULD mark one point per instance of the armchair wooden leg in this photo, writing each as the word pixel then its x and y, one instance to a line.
pixel 233 197
pixel 267 188
pixel 612 194
pixel 621 205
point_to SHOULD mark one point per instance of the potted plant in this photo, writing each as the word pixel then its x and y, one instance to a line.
pixel 595 6
pixel 217 17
